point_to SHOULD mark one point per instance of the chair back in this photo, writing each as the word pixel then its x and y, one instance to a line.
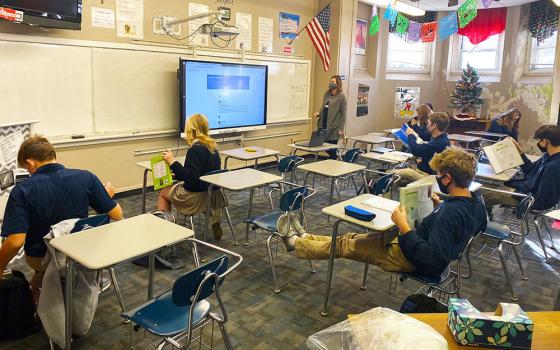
pixel 383 184
pixel 189 288
pixel 287 164
pixel 89 222
pixel 524 207
pixel 293 199
pixel 351 156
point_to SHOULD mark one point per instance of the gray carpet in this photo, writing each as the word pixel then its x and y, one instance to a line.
pixel 261 319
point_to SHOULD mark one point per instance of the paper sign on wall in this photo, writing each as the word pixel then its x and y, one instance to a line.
pixel 130 18
pixel 288 25
pixel 406 101
pixel 194 25
pixel 102 18
pixel 266 34
pixel 243 22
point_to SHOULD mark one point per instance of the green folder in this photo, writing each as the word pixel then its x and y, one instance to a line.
pixel 161 174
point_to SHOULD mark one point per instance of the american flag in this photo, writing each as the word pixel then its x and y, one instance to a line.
pixel 318 30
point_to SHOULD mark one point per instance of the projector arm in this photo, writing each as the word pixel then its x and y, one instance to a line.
pixel 218 14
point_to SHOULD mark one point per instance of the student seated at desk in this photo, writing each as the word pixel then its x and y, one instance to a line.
pixel 52 194
pixel 420 123
pixel 507 123
pixel 438 122
pixel 428 249
pixel 190 194
pixel 542 178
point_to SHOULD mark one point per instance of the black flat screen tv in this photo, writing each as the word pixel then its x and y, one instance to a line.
pixel 64 14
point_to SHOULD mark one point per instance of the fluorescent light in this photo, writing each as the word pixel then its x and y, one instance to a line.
pixel 412 10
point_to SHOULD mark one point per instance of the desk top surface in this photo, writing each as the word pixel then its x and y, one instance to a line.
pixel 331 168
pixel 119 241
pixel 485 171
pixel 485 133
pixel 546 334
pixel 323 147
pixel 555 214
pixel 243 154
pixel 463 138
pixel 146 164
pixel 385 157
pixel 382 219
pixel 237 180
pixel 371 138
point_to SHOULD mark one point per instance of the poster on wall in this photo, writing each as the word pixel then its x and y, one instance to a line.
pixel 266 34
pixel 407 100
pixel 130 18
pixel 363 94
pixel 244 21
pixel 361 37
pixel 288 25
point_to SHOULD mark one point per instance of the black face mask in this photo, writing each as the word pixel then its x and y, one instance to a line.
pixel 443 188
pixel 332 86
pixel 541 148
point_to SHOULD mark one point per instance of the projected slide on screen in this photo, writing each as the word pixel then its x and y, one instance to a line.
pixel 230 95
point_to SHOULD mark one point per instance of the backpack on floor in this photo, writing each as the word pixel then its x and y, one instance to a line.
pixel 420 303
pixel 17 310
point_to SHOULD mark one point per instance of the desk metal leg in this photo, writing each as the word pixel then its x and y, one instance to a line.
pixel 207 218
pixel 151 264
pixel 225 162
pixel 256 163
pixel 68 297
pixel 249 213
pixel 330 268
pixel 144 184
pixel 331 196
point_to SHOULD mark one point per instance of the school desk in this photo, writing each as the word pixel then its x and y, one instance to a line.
pixel 315 150
pixel 250 153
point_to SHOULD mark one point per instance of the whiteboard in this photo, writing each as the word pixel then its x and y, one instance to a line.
pixel 89 88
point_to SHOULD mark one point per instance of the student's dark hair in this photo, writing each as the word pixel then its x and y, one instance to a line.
pixel 338 83
pixel 37 148
pixel 440 120
pixel 459 164
pixel 549 132
pixel 429 104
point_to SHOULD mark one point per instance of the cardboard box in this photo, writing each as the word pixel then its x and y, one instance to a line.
pixel 508 328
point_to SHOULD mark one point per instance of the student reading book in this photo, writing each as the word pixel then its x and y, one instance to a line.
pixel 503 155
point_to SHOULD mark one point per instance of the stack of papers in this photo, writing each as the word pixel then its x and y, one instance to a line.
pixel 396 156
pixel 381 203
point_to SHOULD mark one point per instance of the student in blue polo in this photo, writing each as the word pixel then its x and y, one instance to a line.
pixel 52 194
pixel 541 178
pixel 437 125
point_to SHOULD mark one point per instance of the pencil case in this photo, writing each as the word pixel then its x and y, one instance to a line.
pixel 358 213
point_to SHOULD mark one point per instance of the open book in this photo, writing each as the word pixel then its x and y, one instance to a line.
pixel 161 174
pixel 416 199
pixel 503 155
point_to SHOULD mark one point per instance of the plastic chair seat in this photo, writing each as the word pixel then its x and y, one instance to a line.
pixel 424 279
pixel 162 317
pixel 497 231
pixel 267 221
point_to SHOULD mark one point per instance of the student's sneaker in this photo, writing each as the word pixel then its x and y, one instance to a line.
pixel 289 234
pixel 217 231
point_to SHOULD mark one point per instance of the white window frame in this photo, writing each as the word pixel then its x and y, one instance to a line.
pixel 528 60
pixel 429 52
pixel 455 57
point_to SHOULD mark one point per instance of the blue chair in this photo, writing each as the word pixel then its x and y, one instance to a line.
pixel 286 165
pixel 350 156
pixel 506 237
pixel 292 203
pixel 380 185
pixel 175 314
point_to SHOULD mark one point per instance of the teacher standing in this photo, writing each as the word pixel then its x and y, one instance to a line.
pixel 332 116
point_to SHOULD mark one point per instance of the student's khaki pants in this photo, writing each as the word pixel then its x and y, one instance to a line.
pixel 379 249
pixel 492 198
pixel 409 175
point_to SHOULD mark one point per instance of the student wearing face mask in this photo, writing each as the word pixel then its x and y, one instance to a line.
pixel 332 116
pixel 428 249
pixel 541 178
pixel 437 124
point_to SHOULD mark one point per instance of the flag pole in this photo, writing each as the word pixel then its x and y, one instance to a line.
pixel 297 34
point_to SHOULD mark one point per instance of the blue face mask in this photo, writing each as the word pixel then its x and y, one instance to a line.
pixel 332 86
pixel 443 188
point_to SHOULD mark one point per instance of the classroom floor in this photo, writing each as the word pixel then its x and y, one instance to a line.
pixel 261 319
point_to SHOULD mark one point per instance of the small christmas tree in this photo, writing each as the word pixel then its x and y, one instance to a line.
pixel 466 98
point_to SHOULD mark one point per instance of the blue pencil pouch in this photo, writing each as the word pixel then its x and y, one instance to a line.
pixel 358 213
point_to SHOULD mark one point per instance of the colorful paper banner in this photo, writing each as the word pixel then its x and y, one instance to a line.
pixel 374 25
pixel 466 13
pixel 413 31
pixel 487 3
pixel 402 24
pixel 428 32
pixel 447 26
pixel 390 15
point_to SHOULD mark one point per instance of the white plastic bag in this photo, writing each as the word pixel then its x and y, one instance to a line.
pixel 378 329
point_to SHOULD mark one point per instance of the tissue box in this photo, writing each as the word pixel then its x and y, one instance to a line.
pixel 508 328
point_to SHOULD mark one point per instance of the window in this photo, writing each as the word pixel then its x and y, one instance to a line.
pixel 408 57
pixel 486 56
pixel 541 55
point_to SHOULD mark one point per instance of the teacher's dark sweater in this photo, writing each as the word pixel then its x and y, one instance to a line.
pixel 199 161
pixel 427 150
pixel 442 235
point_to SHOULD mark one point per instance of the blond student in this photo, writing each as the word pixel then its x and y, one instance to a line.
pixel 190 194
